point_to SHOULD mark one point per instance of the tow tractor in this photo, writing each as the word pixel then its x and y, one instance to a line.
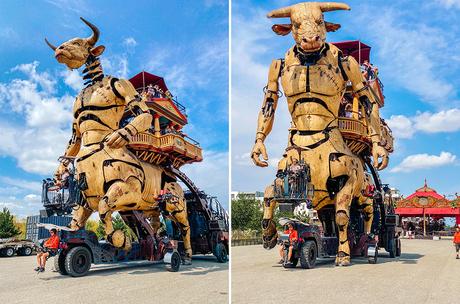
pixel 319 238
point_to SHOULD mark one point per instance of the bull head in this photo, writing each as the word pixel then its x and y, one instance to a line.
pixel 75 52
pixel 307 23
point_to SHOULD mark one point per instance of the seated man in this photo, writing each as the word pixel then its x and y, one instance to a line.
pixel 50 248
pixel 292 240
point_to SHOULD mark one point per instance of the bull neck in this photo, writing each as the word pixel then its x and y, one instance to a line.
pixel 93 71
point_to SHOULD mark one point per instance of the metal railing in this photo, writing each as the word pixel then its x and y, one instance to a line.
pixel 180 106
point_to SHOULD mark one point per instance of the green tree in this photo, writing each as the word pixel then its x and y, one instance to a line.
pixel 247 213
pixel 118 223
pixel 7 227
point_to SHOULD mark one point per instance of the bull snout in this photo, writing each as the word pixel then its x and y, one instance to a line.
pixel 311 39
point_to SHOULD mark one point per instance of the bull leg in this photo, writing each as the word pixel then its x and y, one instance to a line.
pixel 269 233
pixel 368 210
pixel 120 196
pixel 79 217
pixel 154 219
pixel 177 208
pixel 342 217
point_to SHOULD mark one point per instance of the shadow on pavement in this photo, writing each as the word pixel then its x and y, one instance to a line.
pixel 405 258
pixel 201 265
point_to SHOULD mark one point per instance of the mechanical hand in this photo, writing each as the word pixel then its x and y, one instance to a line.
pixel 257 150
pixel 119 139
pixel 377 153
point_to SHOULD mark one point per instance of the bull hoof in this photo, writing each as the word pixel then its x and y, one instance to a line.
pixel 342 260
pixel 270 242
pixel 187 261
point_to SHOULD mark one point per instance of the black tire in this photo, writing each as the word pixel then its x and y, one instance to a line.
pixel 8 252
pixel 59 263
pixel 373 259
pixel 78 261
pixel 308 255
pixel 175 262
pixel 220 252
pixel 392 248
pixel 398 247
pixel 25 251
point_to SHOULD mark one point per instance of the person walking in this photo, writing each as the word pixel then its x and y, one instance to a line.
pixel 457 240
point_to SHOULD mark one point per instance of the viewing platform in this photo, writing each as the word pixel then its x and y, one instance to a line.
pixel 164 142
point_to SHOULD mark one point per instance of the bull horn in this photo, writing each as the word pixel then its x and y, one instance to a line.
pixel 95 36
pixel 280 13
pixel 333 6
pixel 50 45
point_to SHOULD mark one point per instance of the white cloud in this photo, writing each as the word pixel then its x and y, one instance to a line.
pixel 401 126
pixel 21 183
pixel 443 121
pixel 424 161
pixel 129 43
pixel 450 3
pixel 42 137
pixel 73 79
pixel 427 122
pixel 414 56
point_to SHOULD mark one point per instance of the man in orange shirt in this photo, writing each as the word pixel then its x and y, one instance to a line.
pixel 293 237
pixel 50 248
pixel 457 240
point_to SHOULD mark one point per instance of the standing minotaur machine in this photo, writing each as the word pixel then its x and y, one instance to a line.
pixel 335 130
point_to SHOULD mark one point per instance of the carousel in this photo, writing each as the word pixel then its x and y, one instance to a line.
pixel 423 211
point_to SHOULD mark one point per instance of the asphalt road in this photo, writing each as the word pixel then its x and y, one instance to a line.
pixel 206 281
pixel 426 272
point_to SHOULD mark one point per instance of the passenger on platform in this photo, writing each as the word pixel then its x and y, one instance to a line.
pixel 369 72
pixel 50 248
pixel 168 130
pixel 293 237
pixel 457 240
pixel 150 91
pixel 349 110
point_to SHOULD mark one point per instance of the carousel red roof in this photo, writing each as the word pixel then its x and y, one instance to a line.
pixel 355 48
pixel 425 191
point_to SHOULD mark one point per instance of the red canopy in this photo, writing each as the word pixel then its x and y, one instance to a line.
pixel 143 79
pixel 428 211
pixel 355 48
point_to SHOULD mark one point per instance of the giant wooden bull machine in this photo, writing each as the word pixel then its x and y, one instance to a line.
pixel 127 146
pixel 337 138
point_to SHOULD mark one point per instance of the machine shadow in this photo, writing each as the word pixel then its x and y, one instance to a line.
pixel 405 258
pixel 201 266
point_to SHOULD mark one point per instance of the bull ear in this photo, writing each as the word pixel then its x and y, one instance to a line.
pixel 98 50
pixel 282 29
pixel 331 27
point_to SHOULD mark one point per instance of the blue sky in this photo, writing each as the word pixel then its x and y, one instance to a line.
pixel 186 42
pixel 415 45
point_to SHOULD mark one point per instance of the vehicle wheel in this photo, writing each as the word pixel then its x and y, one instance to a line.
pixel 59 263
pixel 175 262
pixel 372 254
pixel 221 253
pixel 308 255
pixel 398 247
pixel 392 249
pixel 25 251
pixel 77 261
pixel 9 252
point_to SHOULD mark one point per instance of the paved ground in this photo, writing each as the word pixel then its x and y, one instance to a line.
pixel 426 272
pixel 206 281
